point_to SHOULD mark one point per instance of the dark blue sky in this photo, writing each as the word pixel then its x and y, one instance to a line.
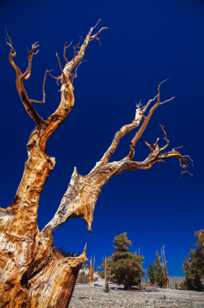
pixel 147 42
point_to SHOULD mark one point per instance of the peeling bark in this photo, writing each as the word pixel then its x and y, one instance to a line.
pixel 32 272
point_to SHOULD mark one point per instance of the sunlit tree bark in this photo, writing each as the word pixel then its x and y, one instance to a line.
pixel 32 272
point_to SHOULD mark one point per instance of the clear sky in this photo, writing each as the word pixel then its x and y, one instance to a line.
pixel 147 41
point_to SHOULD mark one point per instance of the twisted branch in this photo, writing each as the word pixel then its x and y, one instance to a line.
pixel 67 99
pixel 140 132
pixel 83 191
pixel 140 120
pixel 66 77
pixel 21 77
pixel 157 154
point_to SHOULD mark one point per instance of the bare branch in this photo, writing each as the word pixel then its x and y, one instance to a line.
pixel 124 130
pixel 82 193
pixel 66 46
pixel 168 100
pixel 165 138
pixel 147 119
pixel 20 77
pixel 140 120
pixel 157 153
pixel 42 101
pixel 77 59
pixel 96 36
pixel 12 54
pixel 66 77
pixel 154 158
pixel 59 62
pixel 33 52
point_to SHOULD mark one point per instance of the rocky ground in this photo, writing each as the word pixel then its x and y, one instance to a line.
pixel 94 297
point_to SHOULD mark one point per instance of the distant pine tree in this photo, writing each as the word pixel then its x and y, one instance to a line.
pixel 125 267
pixel 157 273
pixel 161 275
pixel 194 266
pixel 152 274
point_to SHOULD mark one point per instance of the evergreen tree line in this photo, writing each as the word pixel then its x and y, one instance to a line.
pixel 125 268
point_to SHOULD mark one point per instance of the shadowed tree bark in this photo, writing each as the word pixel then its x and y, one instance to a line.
pixel 32 272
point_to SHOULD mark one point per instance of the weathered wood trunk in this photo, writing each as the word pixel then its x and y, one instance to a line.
pixel 32 272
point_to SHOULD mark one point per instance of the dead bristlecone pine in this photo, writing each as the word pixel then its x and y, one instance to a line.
pixel 32 272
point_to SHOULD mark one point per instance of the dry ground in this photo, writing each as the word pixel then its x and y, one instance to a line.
pixel 93 297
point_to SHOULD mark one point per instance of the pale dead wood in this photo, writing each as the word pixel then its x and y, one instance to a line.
pixel 67 99
pixel 32 273
pixel 21 77
pixel 83 191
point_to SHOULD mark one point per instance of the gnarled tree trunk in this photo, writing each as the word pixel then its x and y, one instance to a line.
pixel 32 272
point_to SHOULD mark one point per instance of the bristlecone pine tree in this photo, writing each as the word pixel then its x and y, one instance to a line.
pixel 157 273
pixel 152 274
pixel 32 272
pixel 161 274
pixel 125 267
pixel 194 266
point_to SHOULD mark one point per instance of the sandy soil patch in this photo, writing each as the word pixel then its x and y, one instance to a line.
pixel 94 297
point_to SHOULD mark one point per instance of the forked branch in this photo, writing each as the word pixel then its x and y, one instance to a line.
pixel 66 78
pixel 21 77
pixel 83 191
pixel 157 152
pixel 32 52
pixel 147 118
pixel 140 121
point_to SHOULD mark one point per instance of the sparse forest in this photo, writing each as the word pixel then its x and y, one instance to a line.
pixel 125 269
